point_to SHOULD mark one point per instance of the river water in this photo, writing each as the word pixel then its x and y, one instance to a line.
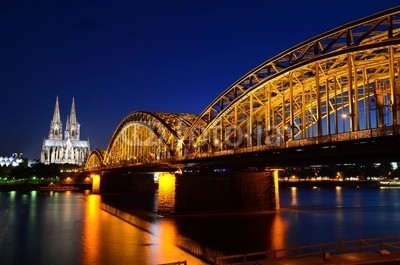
pixel 83 228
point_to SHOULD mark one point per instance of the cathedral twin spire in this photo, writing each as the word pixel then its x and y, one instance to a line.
pixel 64 148
pixel 55 125
pixel 72 130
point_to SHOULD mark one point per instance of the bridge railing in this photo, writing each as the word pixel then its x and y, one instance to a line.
pixel 175 263
pixel 383 244
pixel 326 139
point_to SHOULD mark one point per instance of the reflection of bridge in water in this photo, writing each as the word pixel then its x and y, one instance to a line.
pixel 332 98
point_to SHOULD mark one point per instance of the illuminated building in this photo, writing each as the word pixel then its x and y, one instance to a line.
pixel 13 161
pixel 68 149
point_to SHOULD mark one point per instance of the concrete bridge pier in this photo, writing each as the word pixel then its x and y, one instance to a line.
pixel 198 190
pixel 120 182
pixel 218 191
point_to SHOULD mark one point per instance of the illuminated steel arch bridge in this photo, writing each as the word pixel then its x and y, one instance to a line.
pixel 337 86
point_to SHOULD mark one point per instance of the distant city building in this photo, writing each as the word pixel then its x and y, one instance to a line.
pixel 16 160
pixel 12 161
pixel 68 149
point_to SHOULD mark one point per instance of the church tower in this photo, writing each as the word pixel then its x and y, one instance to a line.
pixel 55 124
pixel 68 149
pixel 72 130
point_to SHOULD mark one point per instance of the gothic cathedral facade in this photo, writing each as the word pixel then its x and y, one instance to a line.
pixel 68 149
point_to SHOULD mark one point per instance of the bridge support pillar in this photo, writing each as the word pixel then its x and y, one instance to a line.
pixel 211 191
pixel 199 190
pixel 122 182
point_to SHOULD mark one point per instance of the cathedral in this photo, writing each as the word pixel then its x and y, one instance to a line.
pixel 68 149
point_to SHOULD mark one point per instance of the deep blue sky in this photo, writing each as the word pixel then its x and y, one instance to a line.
pixel 116 57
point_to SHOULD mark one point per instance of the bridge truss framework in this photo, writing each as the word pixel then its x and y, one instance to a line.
pixel 340 85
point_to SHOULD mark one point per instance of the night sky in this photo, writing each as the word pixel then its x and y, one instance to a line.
pixel 117 57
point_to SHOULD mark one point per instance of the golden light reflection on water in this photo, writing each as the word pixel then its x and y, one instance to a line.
pixel 339 196
pixel 166 241
pixel 90 230
pixel 293 194
pixel 276 190
pixel 278 231
pixel 339 216
pixel 95 183
pixel 112 236
pixel 166 192
pixel 91 235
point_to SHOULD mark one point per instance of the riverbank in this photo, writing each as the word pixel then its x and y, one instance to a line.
pixel 31 187
pixel 332 184
pixel 282 184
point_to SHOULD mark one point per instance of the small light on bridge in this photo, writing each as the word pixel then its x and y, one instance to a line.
pixel 156 177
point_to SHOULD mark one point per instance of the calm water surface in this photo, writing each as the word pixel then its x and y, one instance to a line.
pixel 78 228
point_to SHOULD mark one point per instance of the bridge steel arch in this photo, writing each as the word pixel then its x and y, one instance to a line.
pixel 340 83
pixel 95 160
pixel 143 137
